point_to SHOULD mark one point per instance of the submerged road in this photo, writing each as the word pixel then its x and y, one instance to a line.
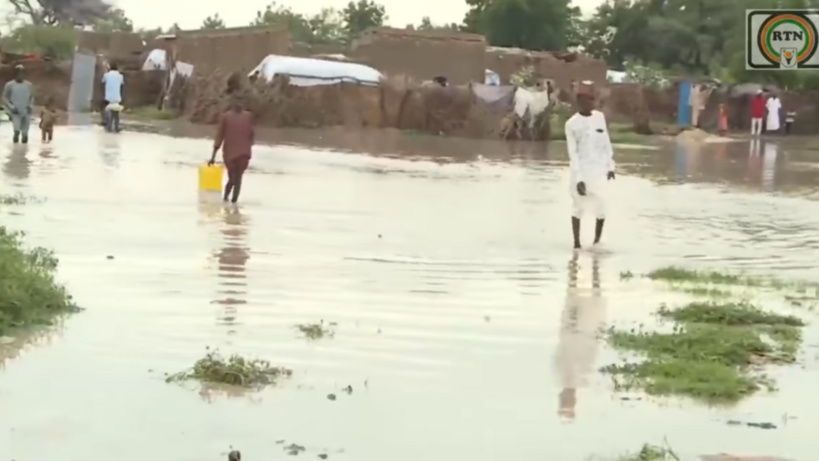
pixel 448 271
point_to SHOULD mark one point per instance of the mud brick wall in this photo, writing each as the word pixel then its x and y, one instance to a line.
pixel 115 44
pixel 422 55
pixel 237 49
pixel 547 65
pixel 50 79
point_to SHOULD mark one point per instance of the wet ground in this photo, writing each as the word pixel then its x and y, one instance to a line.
pixel 448 271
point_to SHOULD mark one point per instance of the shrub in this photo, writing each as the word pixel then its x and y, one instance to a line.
pixel 29 295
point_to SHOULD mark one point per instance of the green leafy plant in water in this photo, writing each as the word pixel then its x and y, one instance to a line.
pixel 234 370
pixel 29 294
pixel 13 199
pixel 651 453
pixel 680 274
pixel 710 355
pixel 315 331
pixel 646 453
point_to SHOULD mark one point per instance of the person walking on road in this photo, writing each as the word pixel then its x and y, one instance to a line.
pixel 592 161
pixel 18 98
pixel 112 81
pixel 757 112
pixel 235 137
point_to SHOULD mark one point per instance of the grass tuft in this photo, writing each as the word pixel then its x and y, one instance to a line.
pixel 234 370
pixel 713 353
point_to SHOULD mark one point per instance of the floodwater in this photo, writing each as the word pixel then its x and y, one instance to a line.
pixel 447 267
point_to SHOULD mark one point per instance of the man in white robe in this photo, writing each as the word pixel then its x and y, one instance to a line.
pixel 592 161
pixel 773 105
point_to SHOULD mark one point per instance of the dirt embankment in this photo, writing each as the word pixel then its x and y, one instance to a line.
pixel 454 110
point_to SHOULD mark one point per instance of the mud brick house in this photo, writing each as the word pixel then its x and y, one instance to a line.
pixel 232 49
pixel 562 68
pixel 422 55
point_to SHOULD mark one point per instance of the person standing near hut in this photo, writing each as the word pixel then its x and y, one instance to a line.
pixel 592 161
pixel 18 98
pixel 112 82
pixel 757 112
pixel 773 105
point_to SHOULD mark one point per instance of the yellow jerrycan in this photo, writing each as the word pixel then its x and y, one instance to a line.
pixel 210 177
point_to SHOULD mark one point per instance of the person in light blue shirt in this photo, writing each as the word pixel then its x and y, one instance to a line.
pixel 112 82
pixel 18 98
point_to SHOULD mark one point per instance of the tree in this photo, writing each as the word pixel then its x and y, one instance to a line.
pixel 362 15
pixel 325 27
pixel 283 17
pixel 64 12
pixel 328 27
pixel 213 22
pixel 427 25
pixel 115 21
pixel 57 41
pixel 528 24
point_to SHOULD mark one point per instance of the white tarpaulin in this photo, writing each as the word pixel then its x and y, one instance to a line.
pixel 155 60
pixel 535 101
pixel 310 72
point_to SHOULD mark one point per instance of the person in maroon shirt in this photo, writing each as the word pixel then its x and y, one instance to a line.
pixel 757 112
pixel 235 136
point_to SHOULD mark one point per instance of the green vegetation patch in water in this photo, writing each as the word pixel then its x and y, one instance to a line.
pixel 234 370
pixel 680 274
pixel 14 199
pixel 713 353
pixel 29 294
pixel 646 453
pixel 316 331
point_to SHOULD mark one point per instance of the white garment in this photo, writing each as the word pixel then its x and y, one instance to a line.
pixel 756 126
pixel 773 105
pixel 591 157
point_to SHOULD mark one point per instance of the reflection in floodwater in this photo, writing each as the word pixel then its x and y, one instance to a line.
pixel 12 347
pixel 769 165
pixel 109 149
pixel 17 164
pixel 232 259
pixel 754 160
pixel 584 313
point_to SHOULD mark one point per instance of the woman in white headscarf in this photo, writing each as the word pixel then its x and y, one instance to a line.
pixel 773 105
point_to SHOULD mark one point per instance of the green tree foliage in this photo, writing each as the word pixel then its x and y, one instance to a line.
pixel 362 15
pixel 213 22
pixel 528 24
pixel 687 37
pixel 57 41
pixel 325 27
pixel 63 12
pixel 115 21
pixel 427 25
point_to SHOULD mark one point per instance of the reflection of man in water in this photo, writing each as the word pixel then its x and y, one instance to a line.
pixel 584 314
pixel 17 164
pixel 592 161
pixel 232 259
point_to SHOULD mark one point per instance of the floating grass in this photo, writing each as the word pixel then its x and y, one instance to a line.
pixel 233 370
pixel 316 331
pixel 713 353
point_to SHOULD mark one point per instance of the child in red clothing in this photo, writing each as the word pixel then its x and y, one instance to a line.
pixel 235 137
pixel 723 118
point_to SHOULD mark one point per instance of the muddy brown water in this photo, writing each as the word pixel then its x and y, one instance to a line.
pixel 446 263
